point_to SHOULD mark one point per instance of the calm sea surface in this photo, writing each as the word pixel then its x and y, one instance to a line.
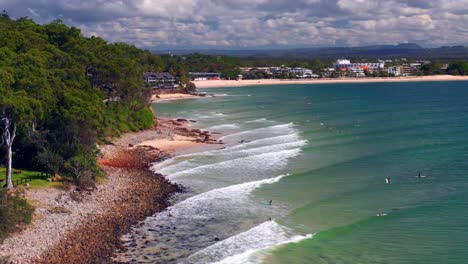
pixel 321 153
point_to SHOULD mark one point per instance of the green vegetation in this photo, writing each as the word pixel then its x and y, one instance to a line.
pixel 35 179
pixel 227 66
pixel 458 68
pixel 14 212
pixel 62 93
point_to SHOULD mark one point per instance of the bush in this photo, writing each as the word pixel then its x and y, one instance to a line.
pixel 14 212
pixel 84 169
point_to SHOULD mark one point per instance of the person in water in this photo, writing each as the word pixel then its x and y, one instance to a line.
pixel 269 203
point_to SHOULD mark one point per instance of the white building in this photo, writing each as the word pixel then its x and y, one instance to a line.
pixel 347 64
pixel 395 70
pixel 301 72
pixel 356 72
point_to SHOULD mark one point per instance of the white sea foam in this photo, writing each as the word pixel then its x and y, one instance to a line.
pixel 224 127
pixel 189 161
pixel 210 115
pixel 274 130
pixel 210 204
pixel 287 135
pixel 242 166
pixel 260 120
pixel 244 247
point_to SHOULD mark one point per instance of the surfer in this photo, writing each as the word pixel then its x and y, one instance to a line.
pixel 387 180
pixel 269 203
pixel 419 175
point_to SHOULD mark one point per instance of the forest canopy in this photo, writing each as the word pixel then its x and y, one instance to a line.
pixel 61 93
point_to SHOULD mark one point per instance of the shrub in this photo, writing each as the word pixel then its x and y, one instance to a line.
pixel 15 211
pixel 84 169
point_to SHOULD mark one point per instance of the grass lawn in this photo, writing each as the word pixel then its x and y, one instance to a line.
pixel 37 182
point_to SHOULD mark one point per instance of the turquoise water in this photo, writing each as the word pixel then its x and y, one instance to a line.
pixel 321 153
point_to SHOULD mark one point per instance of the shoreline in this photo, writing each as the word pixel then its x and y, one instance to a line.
pixel 167 97
pixel 260 82
pixel 72 227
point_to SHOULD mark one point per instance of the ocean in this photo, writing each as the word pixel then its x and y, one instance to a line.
pixel 321 154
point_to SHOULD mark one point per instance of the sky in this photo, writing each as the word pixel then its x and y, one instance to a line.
pixel 247 24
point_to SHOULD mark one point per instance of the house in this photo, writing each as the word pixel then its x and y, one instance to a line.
pixel 160 80
pixel 204 76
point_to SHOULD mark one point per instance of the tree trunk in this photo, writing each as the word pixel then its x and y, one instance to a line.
pixel 8 169
pixel 8 137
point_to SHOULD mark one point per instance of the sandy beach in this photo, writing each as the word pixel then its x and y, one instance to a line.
pixel 85 227
pixel 162 97
pixel 239 83
pixel 173 96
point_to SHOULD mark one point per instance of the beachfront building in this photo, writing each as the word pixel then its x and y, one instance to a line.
pixel 405 69
pixel 356 72
pixel 160 80
pixel 346 65
pixel 293 72
pixel 395 70
pixel 277 72
pixel 204 76
pixel 301 72
pixel 265 70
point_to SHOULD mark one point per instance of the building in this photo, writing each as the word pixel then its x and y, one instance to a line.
pixel 204 76
pixel 301 72
pixel 356 71
pixel 345 65
pixel 265 70
pixel 160 80
pixel 405 69
pixel 395 70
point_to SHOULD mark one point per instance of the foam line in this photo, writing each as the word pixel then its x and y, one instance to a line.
pixel 242 247
pixel 276 128
pixel 269 160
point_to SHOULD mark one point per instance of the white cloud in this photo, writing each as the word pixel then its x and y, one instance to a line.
pixel 249 23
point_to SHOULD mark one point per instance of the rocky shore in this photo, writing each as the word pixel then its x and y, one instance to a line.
pixel 77 227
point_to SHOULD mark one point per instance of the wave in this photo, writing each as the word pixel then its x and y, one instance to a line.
pixel 225 126
pixel 190 161
pixel 209 115
pixel 273 130
pixel 207 204
pixel 242 166
pixel 218 209
pixel 182 162
pixel 243 247
pixel 260 120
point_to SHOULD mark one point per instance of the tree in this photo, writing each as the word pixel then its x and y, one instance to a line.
pixel 16 108
pixel 458 68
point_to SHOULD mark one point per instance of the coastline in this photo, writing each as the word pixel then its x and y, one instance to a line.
pixel 259 82
pixel 163 97
pixel 72 227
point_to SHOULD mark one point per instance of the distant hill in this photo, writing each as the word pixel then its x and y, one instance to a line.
pixel 407 50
